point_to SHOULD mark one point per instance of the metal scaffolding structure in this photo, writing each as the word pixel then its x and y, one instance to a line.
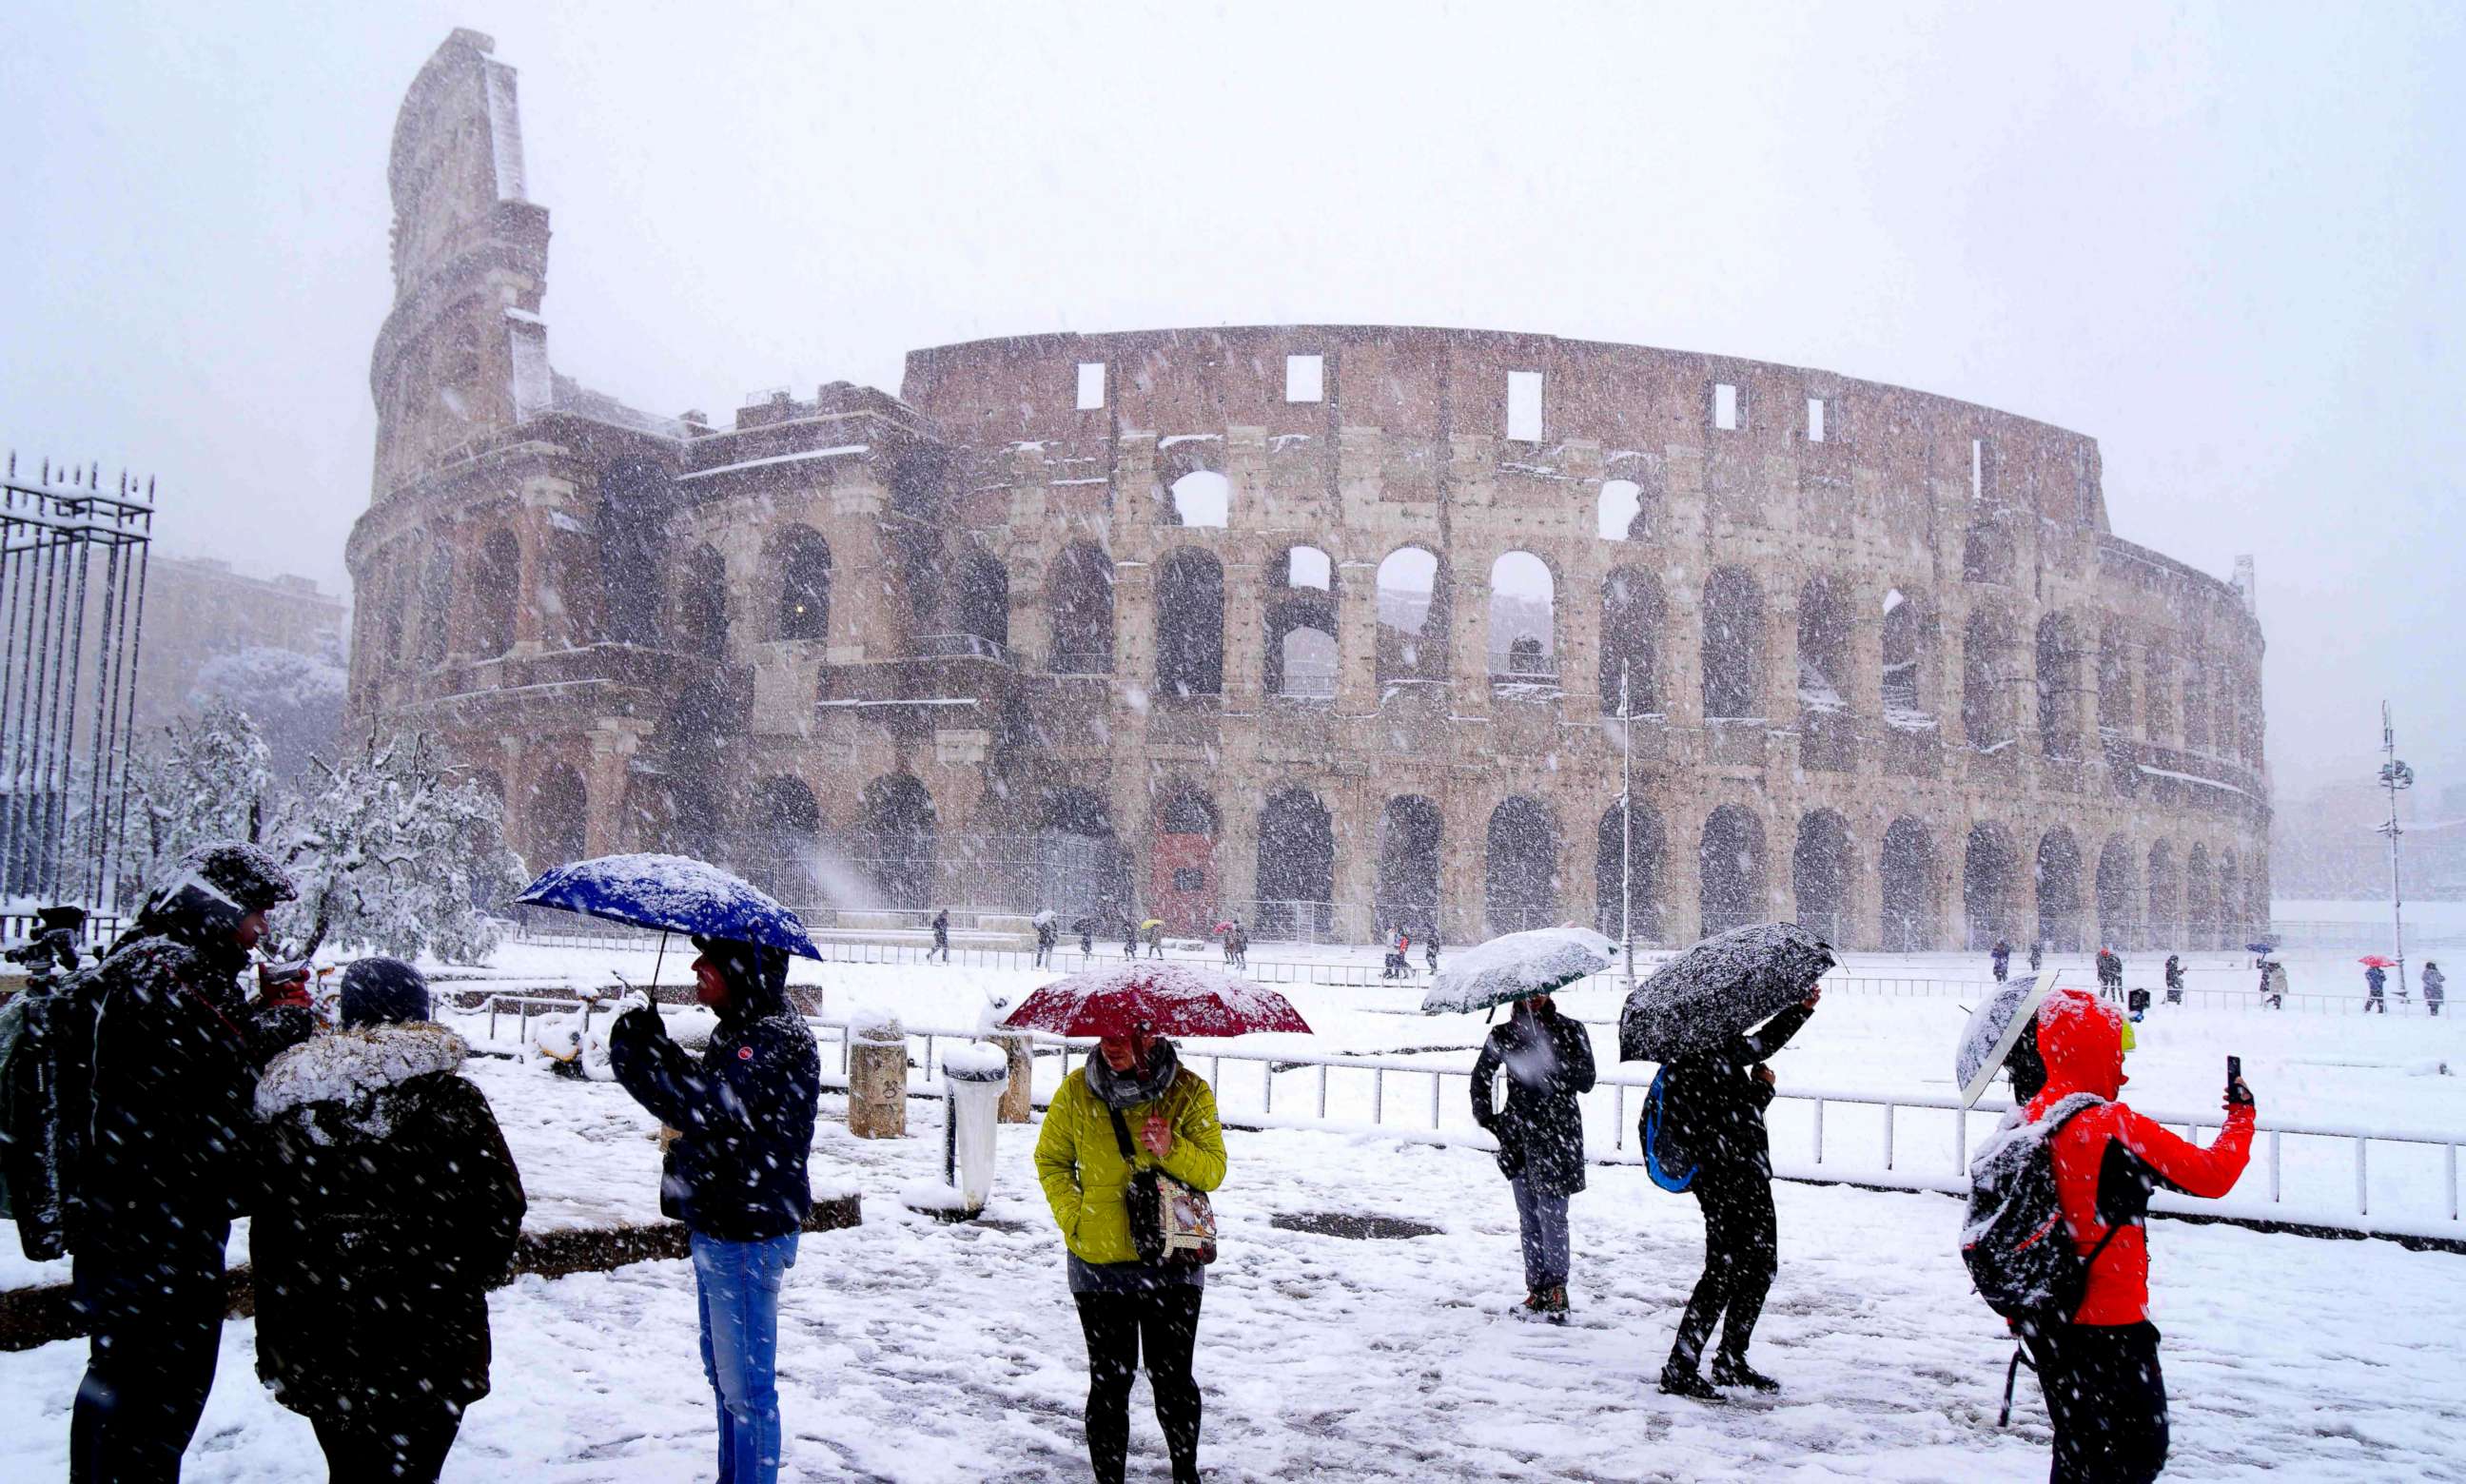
pixel 73 561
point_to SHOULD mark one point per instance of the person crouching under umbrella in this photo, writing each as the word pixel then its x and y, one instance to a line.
pixel 1132 1105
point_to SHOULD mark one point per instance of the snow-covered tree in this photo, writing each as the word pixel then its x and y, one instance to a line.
pixel 208 778
pixel 295 699
pixel 392 854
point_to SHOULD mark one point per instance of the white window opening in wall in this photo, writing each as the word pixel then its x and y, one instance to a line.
pixel 1978 468
pixel 1725 407
pixel 1815 420
pixel 1091 384
pixel 1524 407
pixel 1307 567
pixel 1304 378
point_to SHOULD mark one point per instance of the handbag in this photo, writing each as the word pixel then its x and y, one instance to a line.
pixel 1170 1223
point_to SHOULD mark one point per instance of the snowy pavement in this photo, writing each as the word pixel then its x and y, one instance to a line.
pixel 917 1352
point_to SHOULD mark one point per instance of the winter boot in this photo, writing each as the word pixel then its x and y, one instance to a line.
pixel 1536 1304
pixel 1731 1371
pixel 1682 1381
pixel 1553 1304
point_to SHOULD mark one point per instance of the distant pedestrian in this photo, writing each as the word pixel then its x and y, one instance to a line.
pixel 1129 937
pixel 1156 938
pixel 1240 945
pixel 2001 955
pixel 1086 939
pixel 2174 979
pixel 2109 973
pixel 2037 954
pixel 2376 987
pixel 1430 953
pixel 941 937
pixel 1044 942
pixel 1549 1062
pixel 2435 988
pixel 2273 983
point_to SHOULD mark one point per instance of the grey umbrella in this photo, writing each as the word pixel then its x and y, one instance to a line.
pixel 1721 987
pixel 1993 1029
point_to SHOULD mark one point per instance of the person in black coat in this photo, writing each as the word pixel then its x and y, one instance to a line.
pixel 2174 978
pixel 2375 988
pixel 1713 1112
pixel 735 1175
pixel 391 1207
pixel 941 937
pixel 2001 957
pixel 167 1153
pixel 1549 1062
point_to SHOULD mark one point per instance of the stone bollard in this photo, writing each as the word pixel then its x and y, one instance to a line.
pixel 877 1076
pixel 1018 1103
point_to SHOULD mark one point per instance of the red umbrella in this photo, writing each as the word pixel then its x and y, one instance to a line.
pixel 2376 961
pixel 1154 996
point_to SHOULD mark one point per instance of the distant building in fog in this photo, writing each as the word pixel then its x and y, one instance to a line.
pixel 198 609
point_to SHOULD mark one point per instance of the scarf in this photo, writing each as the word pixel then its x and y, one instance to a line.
pixel 1126 1089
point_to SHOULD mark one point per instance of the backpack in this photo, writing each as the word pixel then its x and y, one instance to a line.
pixel 1662 1153
pixel 46 1071
pixel 2013 1238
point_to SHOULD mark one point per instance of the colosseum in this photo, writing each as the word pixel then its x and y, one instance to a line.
pixel 1336 628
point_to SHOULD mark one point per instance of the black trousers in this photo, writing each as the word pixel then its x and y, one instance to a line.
pixel 1741 1252
pixel 1164 1321
pixel 381 1450
pixel 153 1300
pixel 2107 1399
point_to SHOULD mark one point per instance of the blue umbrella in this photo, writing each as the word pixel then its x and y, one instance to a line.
pixel 674 894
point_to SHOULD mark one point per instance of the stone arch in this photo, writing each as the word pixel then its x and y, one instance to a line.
pixel 702 603
pixel 2196 697
pixel 2058 878
pixel 1079 605
pixel 1619 513
pixel 2200 900
pixel 2231 912
pixel 1299 657
pixel 1730 866
pixel 1523 620
pixel 1521 869
pixel 1733 644
pixel 1989 870
pixel 1822 872
pixel 1986 679
pixel 1080 865
pixel 801 559
pixel 1410 833
pixel 1906 881
pixel 2165 926
pixel 1903 683
pixel 1825 630
pixel 1413 599
pixel 1634 854
pixel 1295 880
pixel 1200 497
pixel 783 833
pixel 559 814
pixel 437 604
pixel 2114 678
pixel 1632 617
pixel 2118 895
pixel 896 836
pixel 2059 685
pixel 634 501
pixel 1183 888
pixel 695 741
pixel 980 604
pixel 1190 624
pixel 496 593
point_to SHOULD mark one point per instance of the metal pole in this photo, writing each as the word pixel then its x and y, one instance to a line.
pixel 1627 824
pixel 2394 776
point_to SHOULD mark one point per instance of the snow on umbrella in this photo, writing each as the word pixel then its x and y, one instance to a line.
pixel 1994 1028
pixel 1043 918
pixel 1516 966
pixel 1719 988
pixel 1156 996
pixel 673 893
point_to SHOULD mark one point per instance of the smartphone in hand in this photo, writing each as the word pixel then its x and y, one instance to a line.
pixel 2236 1092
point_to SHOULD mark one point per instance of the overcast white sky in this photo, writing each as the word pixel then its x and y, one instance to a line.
pixel 2220 240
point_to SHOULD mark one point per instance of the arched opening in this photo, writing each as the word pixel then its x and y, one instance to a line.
pixel 1619 512
pixel 2200 900
pixel 1412 603
pixel 1630 852
pixel 1989 867
pixel 495 592
pixel 695 741
pixel 2118 895
pixel 802 559
pixel 895 843
pixel 1904 636
pixel 2060 687
pixel 558 818
pixel 1079 603
pixel 1734 645
pixel 1820 871
pixel 2196 701
pixel 2157 692
pixel 1823 648
pixel 1081 866
pixel 1181 859
pixel 981 608
pixel 1296 882
pixel 633 514
pixel 701 604
pixel 437 604
pixel 1523 620
pixel 1730 865
pixel 1300 655
pixel 2230 914
pixel 2058 877
pixel 1631 621
pixel 2165 898
pixel 1202 497
pixel 2114 682
pixel 1409 867
pixel 1907 876
pixel 1986 716
pixel 1190 625
pixel 1522 872
pixel 783 842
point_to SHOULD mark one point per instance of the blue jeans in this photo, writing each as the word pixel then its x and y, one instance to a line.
pixel 1543 1218
pixel 737 1285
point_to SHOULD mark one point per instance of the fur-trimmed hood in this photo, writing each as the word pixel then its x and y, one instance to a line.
pixel 346 1065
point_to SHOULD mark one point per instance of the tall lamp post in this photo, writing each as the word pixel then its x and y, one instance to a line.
pixel 1626 826
pixel 2394 776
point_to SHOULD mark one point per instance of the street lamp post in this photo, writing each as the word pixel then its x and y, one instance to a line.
pixel 2394 776
pixel 1626 825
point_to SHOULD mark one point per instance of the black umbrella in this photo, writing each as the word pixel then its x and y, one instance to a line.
pixel 1719 988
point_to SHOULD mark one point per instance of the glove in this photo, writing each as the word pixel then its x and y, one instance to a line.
pixel 2238 1095
pixel 282 986
pixel 632 1000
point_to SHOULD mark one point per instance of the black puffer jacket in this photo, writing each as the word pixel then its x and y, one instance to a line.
pixel 1713 1112
pixel 1549 1062
pixel 744 1113
pixel 391 1207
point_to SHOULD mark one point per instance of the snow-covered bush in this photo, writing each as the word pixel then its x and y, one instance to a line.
pixel 296 701
pixel 209 778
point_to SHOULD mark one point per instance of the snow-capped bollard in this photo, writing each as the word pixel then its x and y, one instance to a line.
pixel 972 1078
pixel 877 1075
pixel 1016 1098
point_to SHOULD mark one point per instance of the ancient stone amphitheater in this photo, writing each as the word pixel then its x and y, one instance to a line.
pixel 1335 628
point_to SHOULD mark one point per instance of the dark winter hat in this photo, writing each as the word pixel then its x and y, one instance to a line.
pixel 245 873
pixel 376 991
pixel 757 972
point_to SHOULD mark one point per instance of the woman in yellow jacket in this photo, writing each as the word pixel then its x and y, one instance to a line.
pixel 1124 1304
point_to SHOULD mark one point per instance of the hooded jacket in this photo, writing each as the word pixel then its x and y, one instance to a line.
pixel 744 1113
pixel 391 1207
pixel 1549 1062
pixel 2109 1158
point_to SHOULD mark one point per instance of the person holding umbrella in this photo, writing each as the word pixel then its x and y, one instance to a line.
pixel 1130 1120
pixel 2376 987
pixel 1549 1062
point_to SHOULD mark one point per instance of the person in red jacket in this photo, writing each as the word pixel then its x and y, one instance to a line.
pixel 2105 1394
